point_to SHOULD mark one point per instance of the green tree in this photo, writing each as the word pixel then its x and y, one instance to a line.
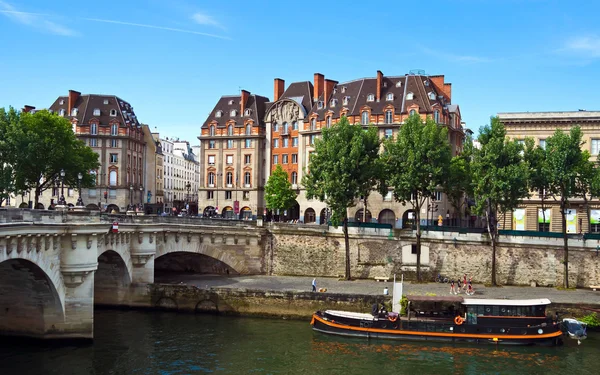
pixel 571 175
pixel 6 170
pixel 341 169
pixel 500 178
pixel 416 164
pixel 458 185
pixel 278 191
pixel 539 177
pixel 41 145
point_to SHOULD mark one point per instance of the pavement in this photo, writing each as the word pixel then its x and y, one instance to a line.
pixel 372 287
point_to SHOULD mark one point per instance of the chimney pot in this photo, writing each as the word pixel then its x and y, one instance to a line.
pixel 379 85
pixel 278 88
pixel 243 100
pixel 73 96
pixel 318 86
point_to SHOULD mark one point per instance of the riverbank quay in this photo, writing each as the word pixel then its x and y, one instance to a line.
pixel 291 296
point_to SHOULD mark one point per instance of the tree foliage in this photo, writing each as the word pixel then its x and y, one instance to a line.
pixel 458 185
pixel 278 191
pixel 416 165
pixel 500 178
pixel 40 145
pixel 6 169
pixel 343 166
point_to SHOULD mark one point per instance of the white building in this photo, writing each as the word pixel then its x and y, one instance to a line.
pixel 181 175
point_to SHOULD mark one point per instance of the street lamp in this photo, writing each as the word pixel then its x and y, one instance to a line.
pixel 141 196
pixel 130 195
pixel 79 200
pixel 61 200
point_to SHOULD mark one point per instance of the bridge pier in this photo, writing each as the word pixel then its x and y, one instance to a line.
pixel 143 251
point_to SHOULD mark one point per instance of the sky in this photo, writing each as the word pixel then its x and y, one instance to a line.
pixel 172 60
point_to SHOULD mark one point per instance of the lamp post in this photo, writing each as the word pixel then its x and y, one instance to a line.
pixel 130 195
pixel 188 186
pixel 79 200
pixel 61 200
pixel 141 195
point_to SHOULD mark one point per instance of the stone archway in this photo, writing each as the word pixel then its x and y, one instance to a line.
pixel 111 280
pixel 408 219
pixel 309 216
pixel 209 211
pixel 246 213
pixel 92 207
pixel 359 216
pixel 179 263
pixel 387 216
pixel 228 213
pixel 112 207
pixel 30 304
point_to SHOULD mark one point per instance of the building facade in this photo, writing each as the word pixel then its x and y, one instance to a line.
pixel 540 126
pixel 292 122
pixel 186 177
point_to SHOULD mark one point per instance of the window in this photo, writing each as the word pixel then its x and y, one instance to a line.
pixel 229 159
pixel 294 178
pixel 332 103
pixel 229 179
pixel 248 112
pixel 437 196
pixel 319 105
pixel 61 112
pixel 74 112
pixel 105 101
pixel 230 143
pixel 543 143
pixel 345 100
pixel 61 102
pixel 399 84
pixel 93 129
pixel 313 124
pixel 409 96
pixel 211 179
pixel 328 124
pixel 285 128
pixel 211 130
pixel 275 159
pixel 413 249
pixel 295 125
pixel 389 97
pixel 284 158
pixel 230 130
pixel 114 143
pixel 112 178
pixel 388 133
pixel 247 179
pixel 231 102
pixel 275 127
pixel 312 140
pixel 412 112
pixel 113 112
pixel 343 89
pixel 211 160
pixel 285 142
pixel 114 129
pixel 228 195
pixel 219 114
pixel 364 119
pixel 210 195
pixel 233 113
pixel 112 193
pixel 96 112
pixel 247 143
pixel 114 158
pixel 294 158
pixel 431 95
pixel 93 142
pixel 370 97
pixel 595 146
pixel 295 142
pixel 246 196
pixel 436 116
pixel 247 159
pixel 389 117
pixel 248 129
pixel 212 143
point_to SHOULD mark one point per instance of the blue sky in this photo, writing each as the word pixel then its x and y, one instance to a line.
pixel 173 59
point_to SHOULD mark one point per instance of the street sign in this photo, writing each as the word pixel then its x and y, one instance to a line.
pixel 115 227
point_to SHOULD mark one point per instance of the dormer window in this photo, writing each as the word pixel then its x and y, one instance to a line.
pixel 431 95
pixel 113 112
pixel 230 130
pixel 231 102
pixel 61 102
pixel 74 112
pixel 345 101
pixel 319 105
pixel 219 114
pixel 343 89
pixel 233 113
pixel 412 112
pixel 399 84
pixel 334 90
pixel 313 124
pixel 248 112
pixel 61 112
pixel 384 84
pixel 96 112
pixel 426 83
pixel 333 102
pixel 409 96
pixel 370 97
pixel 389 97
pixel 105 101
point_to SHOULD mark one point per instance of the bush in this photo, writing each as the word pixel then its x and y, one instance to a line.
pixel 403 305
pixel 591 320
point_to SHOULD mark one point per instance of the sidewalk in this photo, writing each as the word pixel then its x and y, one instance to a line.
pixel 371 287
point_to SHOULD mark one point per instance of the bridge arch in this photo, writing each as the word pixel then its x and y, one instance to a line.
pixel 112 278
pixel 194 262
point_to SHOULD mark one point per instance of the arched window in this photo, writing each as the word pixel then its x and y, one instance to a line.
pixel 229 179
pixel 412 112
pixel 409 96
pixel 432 95
pixel 247 179
pixel 389 118
pixel 61 112
pixel 230 130
pixel 112 177
pixel 113 112
pixel 233 113
pixel 275 127
pixel 74 112
pixel 370 97
pixel 390 96
pixel 295 125
pixel 313 124
pixel 436 116
pixel 96 111
pixel 211 179
pixel 365 118
pixel 294 178
pixel 248 129
pixel 219 114
pixel 211 130
pixel 285 128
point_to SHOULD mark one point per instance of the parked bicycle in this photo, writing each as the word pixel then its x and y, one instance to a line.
pixel 441 279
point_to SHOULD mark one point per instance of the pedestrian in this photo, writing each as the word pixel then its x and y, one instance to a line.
pixel 314 285
pixel 464 286
pixel 452 288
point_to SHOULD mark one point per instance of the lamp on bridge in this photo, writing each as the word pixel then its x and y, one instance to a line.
pixel 61 200
pixel 79 200
pixel 141 195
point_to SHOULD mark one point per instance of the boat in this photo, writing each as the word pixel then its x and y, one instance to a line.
pixel 454 319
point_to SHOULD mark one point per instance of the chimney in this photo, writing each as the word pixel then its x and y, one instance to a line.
pixel 448 90
pixel 28 108
pixel 73 96
pixel 329 85
pixel 379 85
pixel 243 101
pixel 318 90
pixel 278 88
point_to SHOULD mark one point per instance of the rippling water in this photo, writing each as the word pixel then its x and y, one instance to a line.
pixel 134 342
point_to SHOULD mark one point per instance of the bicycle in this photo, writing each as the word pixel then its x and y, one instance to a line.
pixel 441 279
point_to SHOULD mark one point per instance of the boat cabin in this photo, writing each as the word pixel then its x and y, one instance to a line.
pixel 492 312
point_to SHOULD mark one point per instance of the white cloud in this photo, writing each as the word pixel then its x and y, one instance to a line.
pixel 585 45
pixel 156 27
pixel 205 19
pixel 468 59
pixel 35 20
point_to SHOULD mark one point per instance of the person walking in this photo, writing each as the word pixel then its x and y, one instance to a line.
pixel 314 285
pixel 452 289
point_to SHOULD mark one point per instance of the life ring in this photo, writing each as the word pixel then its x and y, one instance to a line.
pixel 458 320
pixel 392 318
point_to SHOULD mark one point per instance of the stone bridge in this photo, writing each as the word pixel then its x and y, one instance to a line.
pixel 54 266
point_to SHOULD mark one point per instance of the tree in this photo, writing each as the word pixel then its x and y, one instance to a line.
pixel 500 178
pixel 539 177
pixel 458 185
pixel 571 175
pixel 278 191
pixel 6 169
pixel 41 145
pixel 343 165
pixel 416 164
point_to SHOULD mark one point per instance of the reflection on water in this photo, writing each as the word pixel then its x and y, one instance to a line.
pixel 133 342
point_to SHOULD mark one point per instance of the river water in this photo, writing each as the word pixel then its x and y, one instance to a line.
pixel 137 342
